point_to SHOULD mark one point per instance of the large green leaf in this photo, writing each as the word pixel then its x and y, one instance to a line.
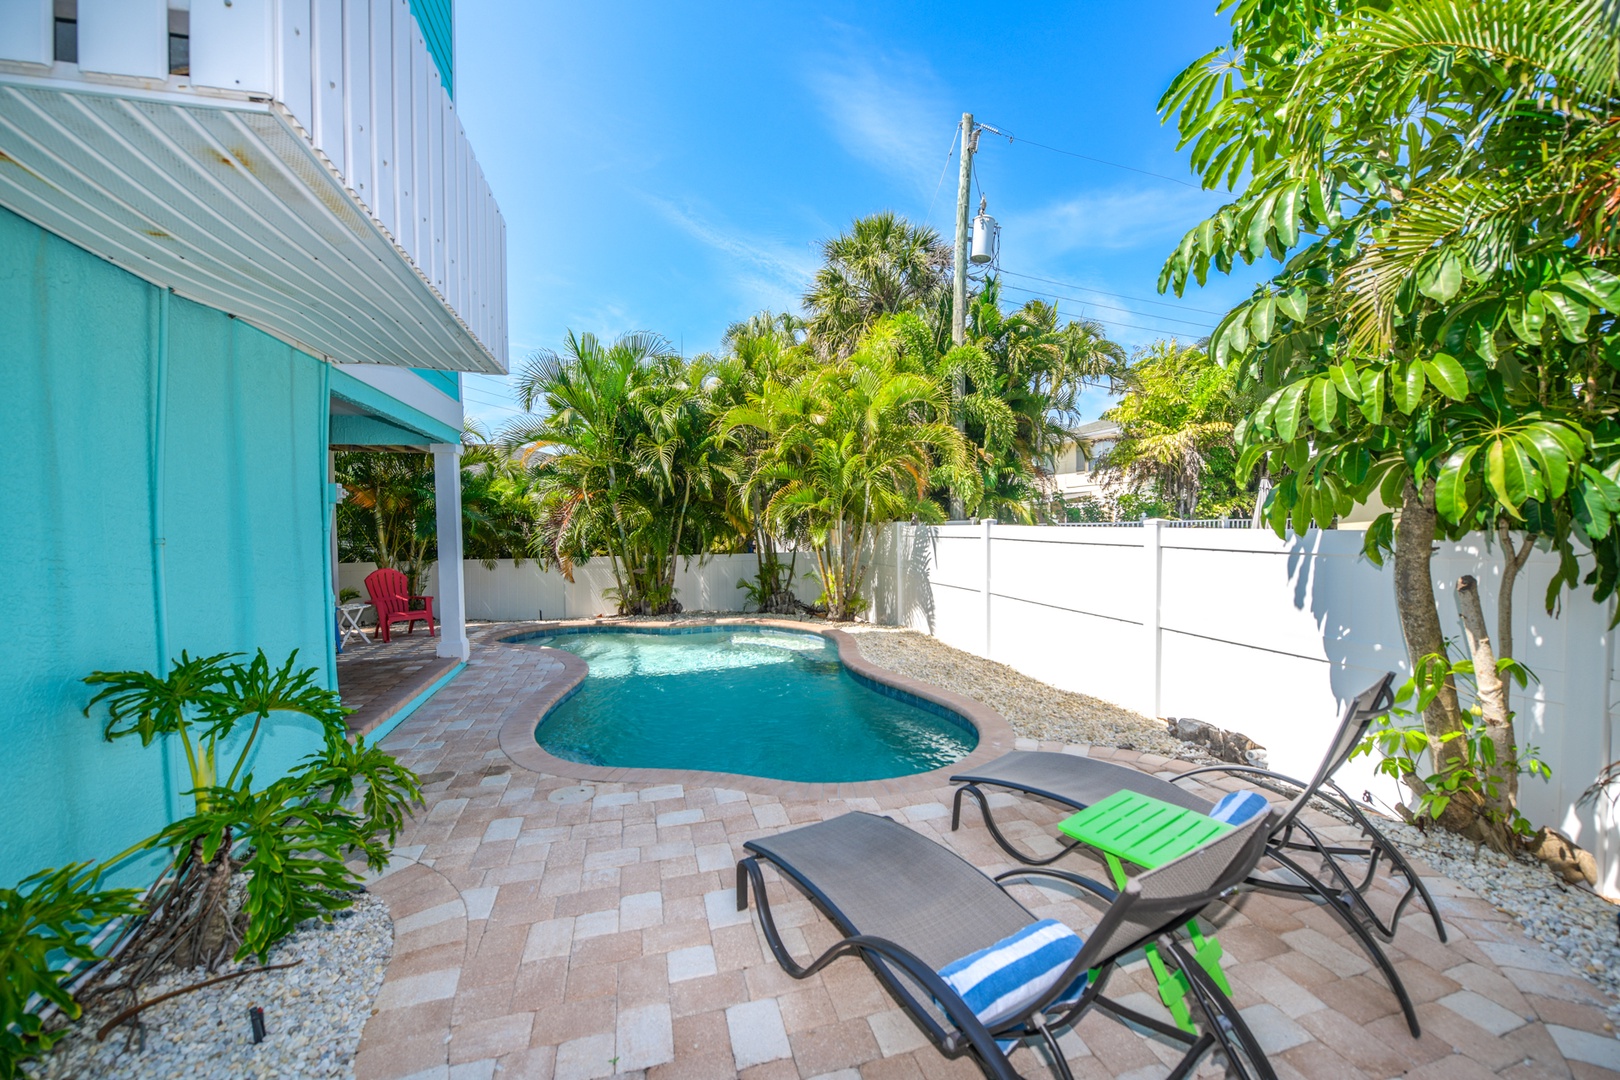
pixel 1570 314
pixel 1451 487
pixel 1551 460
pixel 1507 471
pixel 1408 387
pixel 1345 380
pixel 1324 403
pixel 1447 375
pixel 1372 395
pixel 1294 303
pixel 1261 317
pixel 1440 277
pixel 1290 405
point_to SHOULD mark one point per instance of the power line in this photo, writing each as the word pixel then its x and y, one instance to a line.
pixel 1011 306
pixel 1087 157
pixel 1109 307
pixel 956 130
pixel 1117 296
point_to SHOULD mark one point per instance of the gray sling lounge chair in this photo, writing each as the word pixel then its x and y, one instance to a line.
pixel 909 907
pixel 1077 782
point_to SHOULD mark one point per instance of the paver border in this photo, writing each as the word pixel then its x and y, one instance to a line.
pixel 517 732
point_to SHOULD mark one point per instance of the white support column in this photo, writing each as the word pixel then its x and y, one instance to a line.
pixel 1152 534
pixel 451 601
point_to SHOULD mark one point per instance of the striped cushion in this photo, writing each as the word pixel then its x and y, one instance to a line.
pixel 1240 807
pixel 1003 980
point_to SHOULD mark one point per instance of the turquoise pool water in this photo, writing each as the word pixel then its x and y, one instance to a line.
pixel 751 701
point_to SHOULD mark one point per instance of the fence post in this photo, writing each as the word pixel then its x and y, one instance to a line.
pixel 1153 567
pixel 899 574
pixel 986 525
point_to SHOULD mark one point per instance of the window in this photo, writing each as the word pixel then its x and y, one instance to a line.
pixel 67 41
pixel 179 42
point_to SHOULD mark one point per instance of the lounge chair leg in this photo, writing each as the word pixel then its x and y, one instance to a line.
pixel 1368 944
pixel 1060 1065
pixel 1226 1024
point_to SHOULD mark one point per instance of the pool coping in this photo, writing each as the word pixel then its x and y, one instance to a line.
pixel 517 732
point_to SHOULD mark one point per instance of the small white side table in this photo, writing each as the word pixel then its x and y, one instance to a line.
pixel 349 621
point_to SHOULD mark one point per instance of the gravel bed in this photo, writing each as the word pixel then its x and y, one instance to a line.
pixel 313 1013
pixel 1574 923
pixel 1034 709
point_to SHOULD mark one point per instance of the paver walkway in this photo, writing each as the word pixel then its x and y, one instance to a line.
pixel 376 678
pixel 555 929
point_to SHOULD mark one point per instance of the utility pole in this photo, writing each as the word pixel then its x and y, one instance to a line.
pixel 964 182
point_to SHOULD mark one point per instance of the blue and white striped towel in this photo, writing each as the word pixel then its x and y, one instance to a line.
pixel 1003 980
pixel 1240 807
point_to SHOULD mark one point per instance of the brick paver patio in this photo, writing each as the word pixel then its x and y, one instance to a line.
pixel 378 678
pixel 582 923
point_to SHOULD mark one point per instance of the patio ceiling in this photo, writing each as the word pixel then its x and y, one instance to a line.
pixel 228 204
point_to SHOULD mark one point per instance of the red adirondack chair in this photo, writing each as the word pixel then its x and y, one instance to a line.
pixel 390 595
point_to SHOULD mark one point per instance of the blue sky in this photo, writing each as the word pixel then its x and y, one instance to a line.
pixel 674 167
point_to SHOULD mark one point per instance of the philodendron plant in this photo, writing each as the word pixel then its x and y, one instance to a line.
pixel 44 926
pixel 289 837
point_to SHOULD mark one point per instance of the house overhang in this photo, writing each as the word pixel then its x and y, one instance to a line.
pixel 227 203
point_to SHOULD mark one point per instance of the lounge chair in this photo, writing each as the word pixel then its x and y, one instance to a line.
pixel 910 907
pixel 1077 782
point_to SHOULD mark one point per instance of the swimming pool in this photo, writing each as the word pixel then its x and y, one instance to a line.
pixel 747 700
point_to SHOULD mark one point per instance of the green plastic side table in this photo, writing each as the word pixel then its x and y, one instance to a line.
pixel 1135 828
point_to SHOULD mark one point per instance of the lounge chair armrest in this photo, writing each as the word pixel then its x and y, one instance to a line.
pixel 1242 770
pixel 973 1030
pixel 1088 884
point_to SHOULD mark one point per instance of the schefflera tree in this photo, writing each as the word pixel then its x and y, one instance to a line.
pixel 1436 181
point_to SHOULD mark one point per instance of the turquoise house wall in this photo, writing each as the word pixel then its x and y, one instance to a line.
pixel 446 382
pixel 240 505
pixel 437 19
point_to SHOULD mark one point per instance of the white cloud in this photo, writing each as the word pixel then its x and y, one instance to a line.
pixel 764 272
pixel 1111 220
pixel 889 111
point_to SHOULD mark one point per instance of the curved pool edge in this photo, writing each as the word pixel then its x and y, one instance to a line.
pixel 523 718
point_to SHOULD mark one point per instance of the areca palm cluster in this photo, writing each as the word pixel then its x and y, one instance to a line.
pixel 846 446
pixel 1176 433
pixel 1023 374
pixel 1438 183
pixel 623 460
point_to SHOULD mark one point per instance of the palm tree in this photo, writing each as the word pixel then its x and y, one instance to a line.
pixel 623 459
pixel 883 265
pixel 850 445
pixel 1176 432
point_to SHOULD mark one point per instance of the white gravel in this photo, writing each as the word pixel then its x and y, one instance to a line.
pixel 1034 709
pixel 313 1013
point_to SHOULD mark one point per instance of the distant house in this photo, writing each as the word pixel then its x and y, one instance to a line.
pixel 234 238
pixel 1074 466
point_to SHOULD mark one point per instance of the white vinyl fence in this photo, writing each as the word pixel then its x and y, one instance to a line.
pixel 1254 634
pixel 511 592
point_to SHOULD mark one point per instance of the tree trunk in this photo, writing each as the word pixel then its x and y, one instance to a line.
pixel 1420 625
pixel 1492 697
pixel 1512 562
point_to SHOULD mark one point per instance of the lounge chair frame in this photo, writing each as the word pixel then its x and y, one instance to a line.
pixel 1291 838
pixel 1130 921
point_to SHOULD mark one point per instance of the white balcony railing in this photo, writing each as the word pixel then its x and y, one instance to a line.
pixel 162 170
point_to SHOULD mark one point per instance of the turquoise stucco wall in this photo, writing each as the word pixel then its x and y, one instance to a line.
pixel 242 514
